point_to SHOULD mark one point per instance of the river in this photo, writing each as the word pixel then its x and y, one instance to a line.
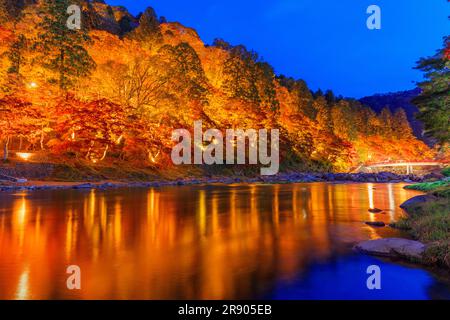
pixel 243 241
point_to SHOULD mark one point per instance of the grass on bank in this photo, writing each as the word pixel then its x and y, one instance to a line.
pixel 429 186
pixel 429 221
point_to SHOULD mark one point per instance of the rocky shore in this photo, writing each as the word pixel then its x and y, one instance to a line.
pixel 393 248
pixel 11 183
pixel 425 251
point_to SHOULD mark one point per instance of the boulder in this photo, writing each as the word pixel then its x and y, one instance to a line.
pixel 392 247
pixel 375 223
pixel 388 176
pixel 432 177
pixel 415 200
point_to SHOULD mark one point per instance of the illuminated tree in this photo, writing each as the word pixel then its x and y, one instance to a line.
pixel 265 84
pixel 299 89
pixel 387 121
pixel 239 75
pixel 140 84
pixel 401 126
pixel 341 116
pixel 18 118
pixel 10 9
pixel 160 76
pixel 88 128
pixel 4 11
pixel 187 85
pixel 149 31
pixel 62 49
pixel 16 54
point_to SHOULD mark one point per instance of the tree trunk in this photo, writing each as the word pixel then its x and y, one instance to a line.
pixel 89 151
pixel 42 140
pixel 104 153
pixel 5 149
pixel 62 77
pixel 20 143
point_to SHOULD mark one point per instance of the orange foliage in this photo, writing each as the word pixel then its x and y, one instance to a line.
pixel 140 92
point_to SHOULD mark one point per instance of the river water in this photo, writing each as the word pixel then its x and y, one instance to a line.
pixel 242 241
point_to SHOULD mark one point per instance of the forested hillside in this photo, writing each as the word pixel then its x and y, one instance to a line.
pixel 114 91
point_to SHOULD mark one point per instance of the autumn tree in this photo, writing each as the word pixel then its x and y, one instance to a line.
pixel 62 49
pixel 401 127
pixel 18 118
pixel 139 84
pixel 374 124
pixel 146 140
pixel 323 114
pixel 434 101
pixel 387 121
pixel 299 89
pixel 342 118
pixel 88 128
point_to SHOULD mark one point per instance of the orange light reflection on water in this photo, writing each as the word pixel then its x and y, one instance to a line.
pixel 219 242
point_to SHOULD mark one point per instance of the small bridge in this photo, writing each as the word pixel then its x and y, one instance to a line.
pixel 408 165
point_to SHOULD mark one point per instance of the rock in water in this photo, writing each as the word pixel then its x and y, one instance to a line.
pixel 375 210
pixel 392 247
pixel 375 223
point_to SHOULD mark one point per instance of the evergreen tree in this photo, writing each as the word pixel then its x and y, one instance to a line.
pixel 187 82
pixel 10 10
pixel 63 50
pixel 266 86
pixel 318 93
pixel 16 54
pixel 4 11
pixel 240 75
pixel 330 97
pixel 149 30
pixel 434 101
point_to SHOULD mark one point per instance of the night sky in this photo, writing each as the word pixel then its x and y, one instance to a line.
pixel 324 42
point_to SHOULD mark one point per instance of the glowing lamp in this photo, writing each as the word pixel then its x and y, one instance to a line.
pixel 24 156
pixel 33 85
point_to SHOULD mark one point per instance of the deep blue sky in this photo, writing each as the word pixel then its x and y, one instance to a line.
pixel 324 42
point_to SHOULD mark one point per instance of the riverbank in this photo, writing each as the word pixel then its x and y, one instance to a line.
pixel 11 183
pixel 79 174
pixel 428 222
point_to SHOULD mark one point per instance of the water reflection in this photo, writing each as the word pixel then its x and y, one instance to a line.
pixel 213 242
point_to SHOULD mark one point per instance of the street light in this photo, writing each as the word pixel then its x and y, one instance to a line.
pixel 33 85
